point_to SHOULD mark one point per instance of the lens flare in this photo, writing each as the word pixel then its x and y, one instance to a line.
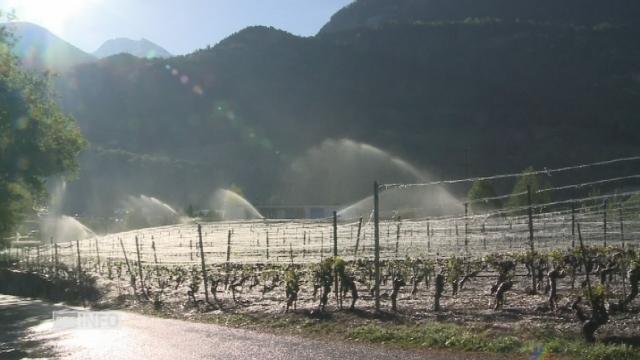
pixel 151 54
pixel 197 90
pixel 539 353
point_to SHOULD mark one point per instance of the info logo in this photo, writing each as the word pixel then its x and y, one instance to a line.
pixel 87 320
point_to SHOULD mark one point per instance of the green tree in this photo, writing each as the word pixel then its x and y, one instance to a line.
pixel 190 212
pixel 482 189
pixel 633 201
pixel 36 139
pixel 518 195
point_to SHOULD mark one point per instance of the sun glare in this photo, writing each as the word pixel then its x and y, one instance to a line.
pixel 52 14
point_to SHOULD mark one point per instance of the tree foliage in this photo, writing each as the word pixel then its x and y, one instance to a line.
pixel 536 182
pixel 633 203
pixel 482 189
pixel 36 139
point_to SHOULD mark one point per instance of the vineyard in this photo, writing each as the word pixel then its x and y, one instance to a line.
pixel 571 258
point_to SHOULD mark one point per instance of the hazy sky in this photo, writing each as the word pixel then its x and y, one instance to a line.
pixel 180 26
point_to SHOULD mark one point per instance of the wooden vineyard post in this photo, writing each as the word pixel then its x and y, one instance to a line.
pixel 97 252
pixel 621 228
pixel 573 224
pixel 428 237
pixel 335 256
pixel 457 235
pixel 126 260
pixel 586 268
pixel 144 292
pixel 55 258
pixel 335 234
pixel 304 244
pixel 466 228
pixel 226 264
pixel 190 249
pixel 155 259
pixel 376 247
pixel 530 215
pixel 267 240
pixel 79 277
pixel 51 247
pixel 204 268
pixel 38 258
pixel 604 221
pixel 79 262
pixel 229 245
pixel 397 237
pixel 321 245
pixel 484 235
pixel 355 254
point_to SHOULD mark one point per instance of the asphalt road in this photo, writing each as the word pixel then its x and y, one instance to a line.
pixel 28 331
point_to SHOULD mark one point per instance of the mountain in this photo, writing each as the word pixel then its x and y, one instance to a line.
pixel 477 96
pixel 374 13
pixel 142 48
pixel 40 49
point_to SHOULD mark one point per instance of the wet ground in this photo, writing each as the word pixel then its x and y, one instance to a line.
pixel 28 331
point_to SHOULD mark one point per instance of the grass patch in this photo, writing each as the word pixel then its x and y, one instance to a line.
pixel 469 339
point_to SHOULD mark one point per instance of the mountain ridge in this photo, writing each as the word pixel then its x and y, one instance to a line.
pixel 452 97
pixel 374 13
pixel 142 48
pixel 40 49
pixel 472 95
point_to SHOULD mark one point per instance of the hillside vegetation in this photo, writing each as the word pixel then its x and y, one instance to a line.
pixel 456 95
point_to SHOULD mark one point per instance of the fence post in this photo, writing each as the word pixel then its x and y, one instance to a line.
pixel 604 221
pixel 586 268
pixel 226 264
pixel 229 245
pixel 621 229
pixel 204 269
pixel 335 234
pixel 126 259
pixel 530 215
pixel 291 253
pixel 55 257
pixel 335 256
pixel 144 291
pixel 155 259
pixel 466 228
pixel 267 245
pixel 573 224
pixel 355 253
pixel 79 263
pixel 484 235
pixel 97 251
pixel 304 244
pixel 428 236
pixel 397 237
pixel 376 252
